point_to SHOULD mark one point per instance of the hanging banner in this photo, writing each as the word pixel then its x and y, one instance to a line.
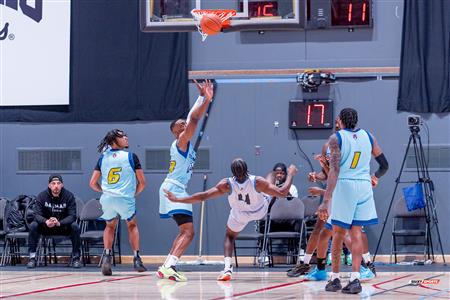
pixel 34 52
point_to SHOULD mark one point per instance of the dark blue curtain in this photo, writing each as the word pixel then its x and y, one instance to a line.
pixel 117 73
pixel 425 60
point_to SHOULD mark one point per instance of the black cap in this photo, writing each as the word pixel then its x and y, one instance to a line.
pixel 54 177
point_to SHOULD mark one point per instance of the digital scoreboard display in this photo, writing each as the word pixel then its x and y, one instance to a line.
pixel 311 114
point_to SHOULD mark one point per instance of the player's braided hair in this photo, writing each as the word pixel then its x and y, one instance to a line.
pixel 239 168
pixel 349 117
pixel 109 139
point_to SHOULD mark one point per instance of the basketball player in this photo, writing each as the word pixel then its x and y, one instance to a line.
pixel 182 158
pixel 246 200
pixel 349 193
pixel 122 179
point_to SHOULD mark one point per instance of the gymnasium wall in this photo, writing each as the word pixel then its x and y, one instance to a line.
pixel 242 119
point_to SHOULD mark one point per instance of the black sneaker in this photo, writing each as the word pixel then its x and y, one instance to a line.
pixel 353 287
pixel 371 267
pixel 333 285
pixel 76 263
pixel 298 270
pixel 31 263
pixel 138 265
pixel 106 265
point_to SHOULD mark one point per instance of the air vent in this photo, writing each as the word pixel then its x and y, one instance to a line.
pixel 437 157
pixel 49 160
pixel 157 160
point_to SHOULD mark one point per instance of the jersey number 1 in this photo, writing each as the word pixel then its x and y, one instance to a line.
pixel 355 160
pixel 114 175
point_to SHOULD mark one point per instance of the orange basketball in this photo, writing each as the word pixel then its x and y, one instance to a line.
pixel 211 24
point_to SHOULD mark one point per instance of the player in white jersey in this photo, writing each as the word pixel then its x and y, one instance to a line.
pixel 122 179
pixel 349 193
pixel 182 159
pixel 246 200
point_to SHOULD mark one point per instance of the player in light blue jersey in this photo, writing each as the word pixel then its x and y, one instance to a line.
pixel 122 179
pixel 349 193
pixel 182 159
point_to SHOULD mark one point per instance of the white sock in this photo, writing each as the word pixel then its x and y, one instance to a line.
pixel 307 258
pixel 171 260
pixel 366 257
pixel 354 275
pixel 227 263
pixel 108 251
pixel 334 276
pixel 33 255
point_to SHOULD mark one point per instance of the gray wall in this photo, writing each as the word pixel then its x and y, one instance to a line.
pixel 242 118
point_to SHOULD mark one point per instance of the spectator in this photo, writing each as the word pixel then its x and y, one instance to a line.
pixel 55 214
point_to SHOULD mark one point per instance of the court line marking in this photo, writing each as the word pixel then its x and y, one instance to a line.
pixel 435 294
pixel 38 278
pixel 70 286
pixel 261 290
pixel 402 286
pixel 17 277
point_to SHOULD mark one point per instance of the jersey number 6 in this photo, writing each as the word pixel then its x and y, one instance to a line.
pixel 114 175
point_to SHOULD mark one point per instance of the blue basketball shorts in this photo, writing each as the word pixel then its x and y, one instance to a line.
pixel 112 206
pixel 353 204
pixel 168 208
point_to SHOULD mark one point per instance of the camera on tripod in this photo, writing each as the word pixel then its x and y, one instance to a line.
pixel 310 80
pixel 414 120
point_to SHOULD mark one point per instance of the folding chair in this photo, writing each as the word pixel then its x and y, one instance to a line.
pixel 417 228
pixel 284 209
pixel 92 231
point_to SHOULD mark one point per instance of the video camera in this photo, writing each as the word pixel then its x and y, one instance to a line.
pixel 312 79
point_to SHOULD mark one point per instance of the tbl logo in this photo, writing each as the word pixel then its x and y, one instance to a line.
pixel 4 32
pixel 32 12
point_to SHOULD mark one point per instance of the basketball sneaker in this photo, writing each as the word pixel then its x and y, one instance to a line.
pixel 366 274
pixel 300 269
pixel 348 259
pixel 170 273
pixel 371 267
pixel 333 285
pixel 225 275
pixel 138 265
pixel 353 287
pixel 316 275
pixel 106 265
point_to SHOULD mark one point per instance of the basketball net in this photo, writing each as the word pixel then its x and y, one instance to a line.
pixel 223 14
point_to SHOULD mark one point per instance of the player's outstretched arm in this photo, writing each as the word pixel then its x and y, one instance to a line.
pixel 206 91
pixel 221 188
pixel 381 160
pixel 266 187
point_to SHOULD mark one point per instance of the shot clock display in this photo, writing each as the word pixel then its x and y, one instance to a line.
pixel 350 13
pixel 258 9
pixel 311 114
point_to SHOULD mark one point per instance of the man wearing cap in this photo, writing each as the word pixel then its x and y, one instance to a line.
pixel 55 213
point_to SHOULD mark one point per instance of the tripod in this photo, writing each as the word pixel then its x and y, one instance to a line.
pixel 428 188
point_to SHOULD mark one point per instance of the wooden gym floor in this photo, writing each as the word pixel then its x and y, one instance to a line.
pixel 248 283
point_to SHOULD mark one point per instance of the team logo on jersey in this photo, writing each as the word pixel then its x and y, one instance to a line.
pixel 355 137
pixel 114 155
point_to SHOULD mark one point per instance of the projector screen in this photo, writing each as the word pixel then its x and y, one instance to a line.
pixel 34 52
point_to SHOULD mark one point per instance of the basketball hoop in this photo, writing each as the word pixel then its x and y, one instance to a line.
pixel 223 14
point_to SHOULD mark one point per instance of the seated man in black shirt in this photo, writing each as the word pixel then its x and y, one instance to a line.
pixel 55 213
